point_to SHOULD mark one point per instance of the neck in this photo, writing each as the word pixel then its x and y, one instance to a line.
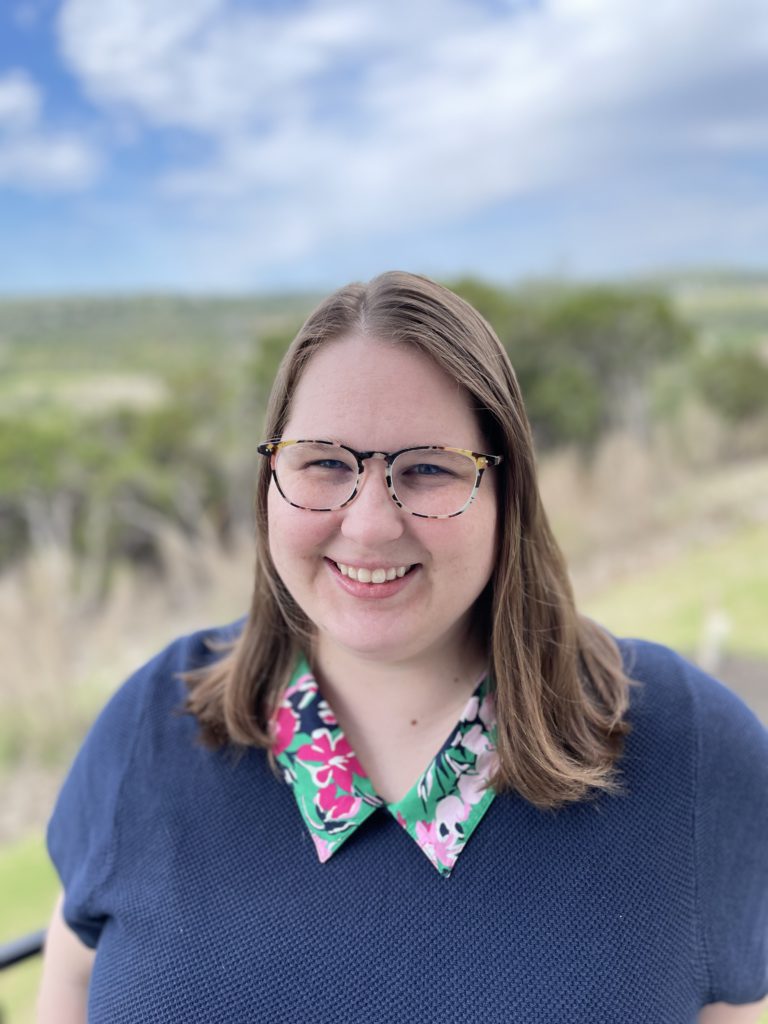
pixel 386 694
pixel 397 714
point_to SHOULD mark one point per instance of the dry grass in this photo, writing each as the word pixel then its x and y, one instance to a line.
pixel 635 506
pixel 86 392
pixel 62 657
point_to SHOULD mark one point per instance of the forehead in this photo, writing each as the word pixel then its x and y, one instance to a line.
pixel 370 392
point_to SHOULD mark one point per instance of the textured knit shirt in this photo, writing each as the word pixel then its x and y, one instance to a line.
pixel 194 875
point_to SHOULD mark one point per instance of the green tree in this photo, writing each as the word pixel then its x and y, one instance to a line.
pixel 734 383
pixel 584 357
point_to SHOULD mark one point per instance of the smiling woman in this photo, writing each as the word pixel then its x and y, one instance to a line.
pixel 413 754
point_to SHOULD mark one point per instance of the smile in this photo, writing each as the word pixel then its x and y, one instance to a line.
pixel 381 575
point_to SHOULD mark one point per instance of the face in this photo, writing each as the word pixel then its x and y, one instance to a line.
pixel 379 396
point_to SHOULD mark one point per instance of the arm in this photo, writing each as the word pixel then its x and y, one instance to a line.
pixel 67 966
pixel 732 854
pixel 724 1013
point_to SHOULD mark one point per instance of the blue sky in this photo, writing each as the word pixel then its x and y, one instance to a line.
pixel 239 145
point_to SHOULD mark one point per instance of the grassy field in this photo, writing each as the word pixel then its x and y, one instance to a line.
pixel 136 332
pixel 28 885
pixel 673 603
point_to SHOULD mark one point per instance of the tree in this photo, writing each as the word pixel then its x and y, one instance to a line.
pixel 583 357
pixel 734 383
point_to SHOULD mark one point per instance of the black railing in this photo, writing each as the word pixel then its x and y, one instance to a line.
pixel 20 949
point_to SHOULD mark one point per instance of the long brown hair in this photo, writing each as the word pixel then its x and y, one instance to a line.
pixel 561 692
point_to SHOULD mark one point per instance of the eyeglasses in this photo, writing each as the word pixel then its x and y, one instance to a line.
pixel 430 481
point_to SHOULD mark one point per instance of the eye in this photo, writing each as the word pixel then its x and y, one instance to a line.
pixel 427 469
pixel 332 465
pixel 435 468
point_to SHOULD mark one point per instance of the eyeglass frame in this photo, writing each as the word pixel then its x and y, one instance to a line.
pixel 482 462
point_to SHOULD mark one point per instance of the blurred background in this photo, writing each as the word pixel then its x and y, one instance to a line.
pixel 180 182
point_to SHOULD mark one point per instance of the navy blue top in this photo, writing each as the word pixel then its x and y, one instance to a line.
pixel 194 875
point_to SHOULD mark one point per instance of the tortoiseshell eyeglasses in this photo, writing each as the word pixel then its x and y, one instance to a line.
pixel 430 481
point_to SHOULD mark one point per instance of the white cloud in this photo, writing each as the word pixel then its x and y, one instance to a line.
pixel 37 162
pixel 337 118
pixel 201 64
pixel 32 157
pixel 19 100
pixel 737 133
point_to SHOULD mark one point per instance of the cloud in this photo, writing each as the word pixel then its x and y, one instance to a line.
pixel 736 134
pixel 19 100
pixel 36 162
pixel 336 119
pixel 33 158
pixel 204 64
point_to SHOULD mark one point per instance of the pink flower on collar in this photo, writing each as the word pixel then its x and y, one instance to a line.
pixel 284 726
pixel 439 850
pixel 323 847
pixel 335 757
pixel 337 806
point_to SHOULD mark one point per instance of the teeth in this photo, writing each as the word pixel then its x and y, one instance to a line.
pixel 372 575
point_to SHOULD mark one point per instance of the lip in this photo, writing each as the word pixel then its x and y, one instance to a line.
pixel 372 591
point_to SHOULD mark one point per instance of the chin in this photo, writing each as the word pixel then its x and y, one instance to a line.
pixel 372 641
pixel 373 648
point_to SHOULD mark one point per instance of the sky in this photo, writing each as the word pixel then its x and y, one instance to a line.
pixel 253 145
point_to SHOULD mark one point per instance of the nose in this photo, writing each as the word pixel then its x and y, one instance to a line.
pixel 373 518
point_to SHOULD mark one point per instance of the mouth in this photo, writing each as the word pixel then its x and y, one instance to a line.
pixel 381 574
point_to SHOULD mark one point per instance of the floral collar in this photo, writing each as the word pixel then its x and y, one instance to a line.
pixel 335 796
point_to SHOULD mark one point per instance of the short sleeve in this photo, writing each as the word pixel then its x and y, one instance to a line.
pixel 81 831
pixel 84 829
pixel 732 843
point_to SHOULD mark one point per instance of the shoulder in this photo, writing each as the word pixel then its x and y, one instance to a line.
pixel 187 653
pixel 145 713
pixel 669 686
pixel 136 736
pixel 159 684
pixel 690 731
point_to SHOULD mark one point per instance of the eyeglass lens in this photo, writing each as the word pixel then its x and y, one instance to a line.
pixel 319 476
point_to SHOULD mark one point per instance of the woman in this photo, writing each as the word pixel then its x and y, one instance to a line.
pixel 414 784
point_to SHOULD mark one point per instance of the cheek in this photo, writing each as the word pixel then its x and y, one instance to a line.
pixel 283 536
pixel 465 547
pixel 293 532
pixel 480 546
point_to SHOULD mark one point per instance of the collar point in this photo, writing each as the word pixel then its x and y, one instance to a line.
pixel 323 848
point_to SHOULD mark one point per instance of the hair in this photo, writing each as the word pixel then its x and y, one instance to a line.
pixel 561 691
